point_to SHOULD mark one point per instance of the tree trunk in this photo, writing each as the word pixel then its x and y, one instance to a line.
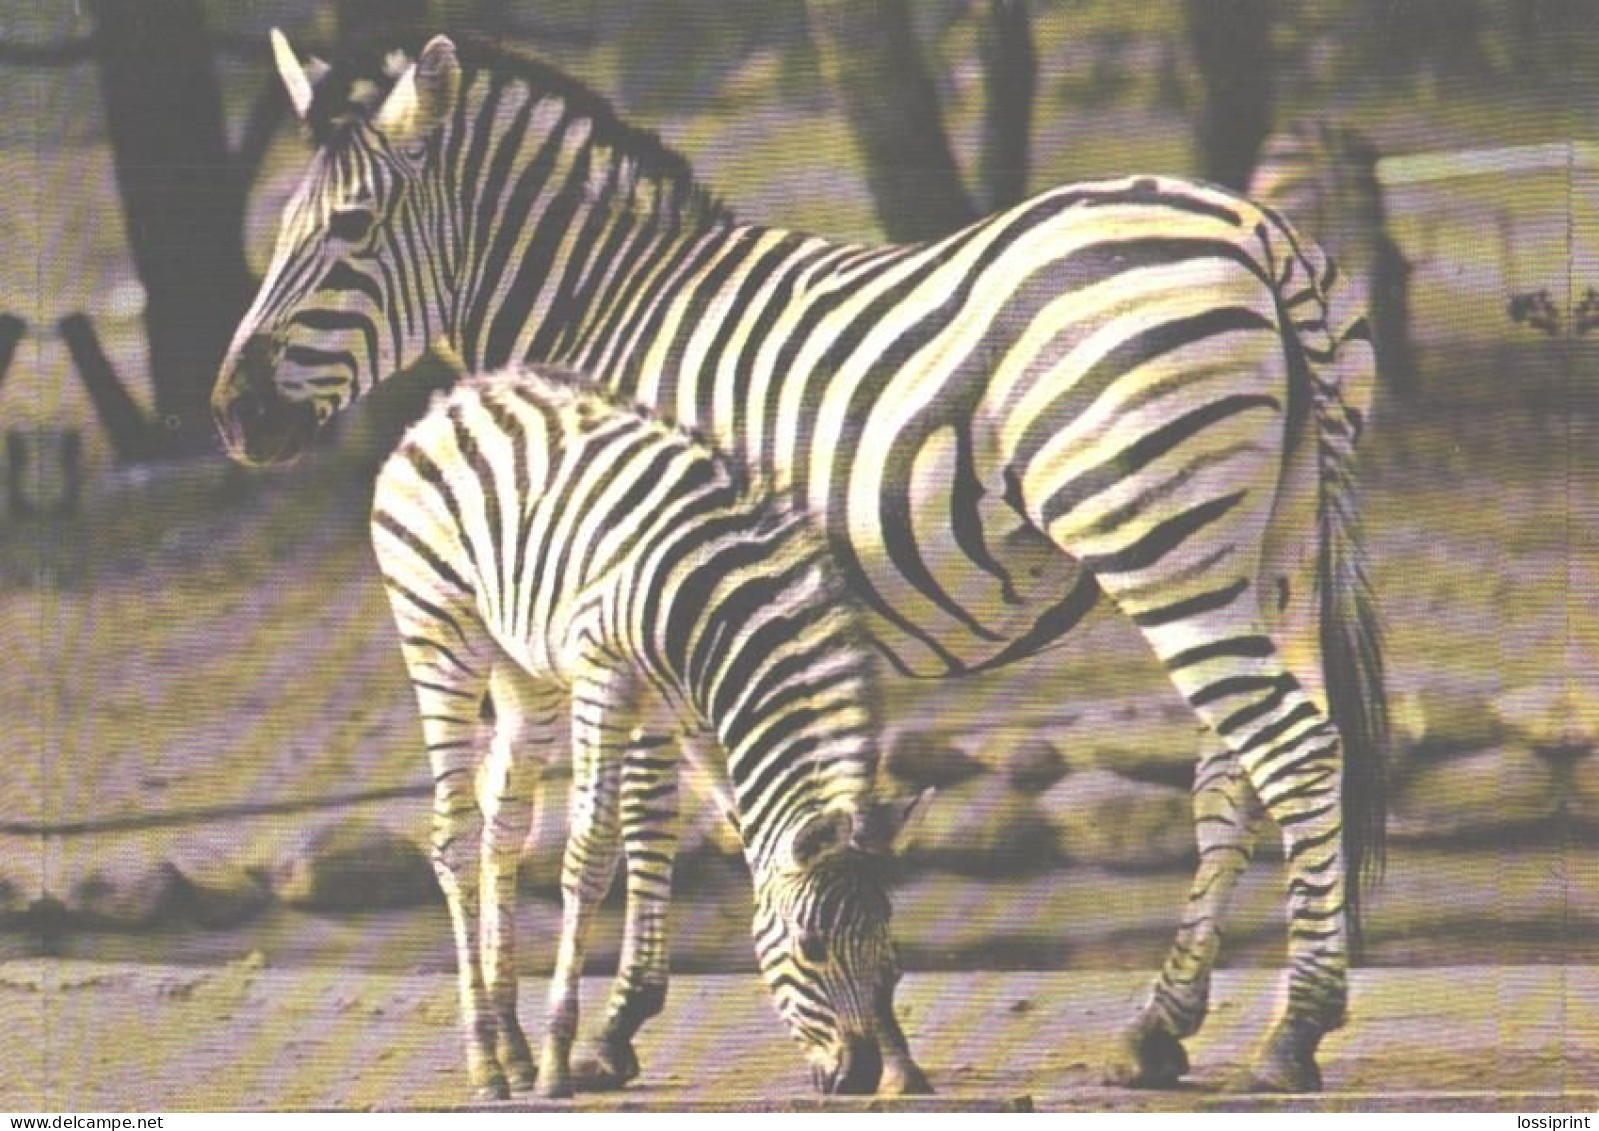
pixel 11 331
pixel 1010 76
pixel 381 24
pixel 182 199
pixel 1231 41
pixel 869 50
pixel 132 438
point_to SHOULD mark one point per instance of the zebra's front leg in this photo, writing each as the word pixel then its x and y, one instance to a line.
pixel 601 720
pixel 649 815
pixel 1227 816
pixel 450 695
pixel 528 718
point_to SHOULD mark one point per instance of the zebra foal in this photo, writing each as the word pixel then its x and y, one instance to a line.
pixel 543 547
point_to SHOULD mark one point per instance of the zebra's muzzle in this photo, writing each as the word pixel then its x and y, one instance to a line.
pixel 860 1067
pixel 257 423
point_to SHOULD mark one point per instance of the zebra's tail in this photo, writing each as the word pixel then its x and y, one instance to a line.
pixel 1351 635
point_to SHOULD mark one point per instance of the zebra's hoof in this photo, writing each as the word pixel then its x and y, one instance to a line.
pixel 610 1065
pixel 1287 1062
pixel 516 1058
pixel 1145 1057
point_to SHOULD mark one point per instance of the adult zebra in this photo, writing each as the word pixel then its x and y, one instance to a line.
pixel 1325 176
pixel 567 551
pixel 1146 387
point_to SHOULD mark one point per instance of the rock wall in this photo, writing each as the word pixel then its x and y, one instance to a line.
pixel 1105 792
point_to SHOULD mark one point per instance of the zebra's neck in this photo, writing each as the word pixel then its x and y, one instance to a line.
pixel 755 632
pixel 552 193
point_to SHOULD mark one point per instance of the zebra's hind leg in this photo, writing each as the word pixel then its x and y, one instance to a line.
pixel 602 719
pixel 649 814
pixel 528 720
pixel 1290 753
pixel 1227 816
pixel 1183 550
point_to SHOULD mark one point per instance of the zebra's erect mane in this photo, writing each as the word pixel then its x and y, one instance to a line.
pixel 360 79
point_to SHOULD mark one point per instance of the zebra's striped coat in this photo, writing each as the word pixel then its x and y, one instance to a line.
pixel 539 540
pixel 1145 387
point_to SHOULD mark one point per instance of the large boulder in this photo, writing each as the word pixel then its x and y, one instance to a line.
pixel 1024 756
pixel 221 887
pixel 353 865
pixel 1556 718
pixel 1438 715
pixel 125 891
pixel 1106 820
pixel 1152 740
pixel 980 827
pixel 1477 798
pixel 20 870
pixel 923 758
pixel 1582 797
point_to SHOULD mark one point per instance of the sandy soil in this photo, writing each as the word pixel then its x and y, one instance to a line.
pixel 104 1036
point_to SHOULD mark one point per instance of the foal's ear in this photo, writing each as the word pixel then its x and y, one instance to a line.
pixel 820 836
pixel 423 96
pixel 299 81
pixel 884 825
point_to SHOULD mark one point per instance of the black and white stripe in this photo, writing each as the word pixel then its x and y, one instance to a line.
pixel 1144 388
pixel 540 544
pixel 1325 176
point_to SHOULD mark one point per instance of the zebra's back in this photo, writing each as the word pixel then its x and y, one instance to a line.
pixel 912 398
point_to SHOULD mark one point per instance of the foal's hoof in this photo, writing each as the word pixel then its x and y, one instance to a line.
pixel 1287 1062
pixel 608 1066
pixel 1145 1057
pixel 521 1073
pixel 488 1082
pixel 904 1080
pixel 516 1058
pixel 492 1090
pixel 553 1086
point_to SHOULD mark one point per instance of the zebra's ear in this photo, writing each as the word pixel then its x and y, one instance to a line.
pixel 299 80
pixel 424 96
pixel 821 836
pixel 883 827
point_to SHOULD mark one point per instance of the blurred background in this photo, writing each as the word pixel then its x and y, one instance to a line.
pixel 208 751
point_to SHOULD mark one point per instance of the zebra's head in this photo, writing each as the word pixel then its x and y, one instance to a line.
pixel 824 948
pixel 354 292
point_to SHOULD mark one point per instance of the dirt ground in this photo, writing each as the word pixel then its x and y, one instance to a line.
pixel 107 1036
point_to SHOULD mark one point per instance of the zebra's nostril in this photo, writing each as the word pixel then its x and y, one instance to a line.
pixel 860 1067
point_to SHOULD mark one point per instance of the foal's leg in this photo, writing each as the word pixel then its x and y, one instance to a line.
pixel 602 718
pixel 1227 818
pixel 450 674
pixel 529 718
pixel 649 815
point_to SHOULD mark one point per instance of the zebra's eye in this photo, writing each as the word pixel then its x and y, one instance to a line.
pixel 813 947
pixel 351 225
